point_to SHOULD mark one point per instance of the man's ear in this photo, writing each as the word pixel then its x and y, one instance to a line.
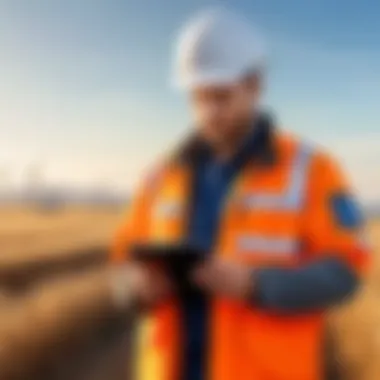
pixel 253 82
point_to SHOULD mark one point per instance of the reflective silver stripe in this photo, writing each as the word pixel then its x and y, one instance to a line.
pixel 300 170
pixel 257 244
pixel 293 197
pixel 168 209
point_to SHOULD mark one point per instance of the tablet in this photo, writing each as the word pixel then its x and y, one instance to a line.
pixel 179 260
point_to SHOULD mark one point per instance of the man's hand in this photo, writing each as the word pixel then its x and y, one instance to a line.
pixel 224 278
pixel 149 285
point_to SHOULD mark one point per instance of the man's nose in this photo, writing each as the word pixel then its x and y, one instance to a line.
pixel 212 111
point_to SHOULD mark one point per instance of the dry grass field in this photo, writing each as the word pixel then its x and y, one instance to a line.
pixel 357 324
pixel 374 234
pixel 32 232
pixel 29 232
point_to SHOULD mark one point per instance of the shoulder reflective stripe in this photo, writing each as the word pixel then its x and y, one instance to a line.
pixel 294 195
pixel 255 243
pixel 298 179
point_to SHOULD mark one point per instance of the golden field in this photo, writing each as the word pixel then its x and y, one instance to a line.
pixel 356 326
pixel 30 231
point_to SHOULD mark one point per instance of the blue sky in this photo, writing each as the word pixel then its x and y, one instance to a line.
pixel 85 83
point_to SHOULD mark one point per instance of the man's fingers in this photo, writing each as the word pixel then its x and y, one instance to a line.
pixel 223 278
pixel 151 283
pixel 209 276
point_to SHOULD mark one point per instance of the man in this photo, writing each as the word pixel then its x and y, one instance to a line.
pixel 274 214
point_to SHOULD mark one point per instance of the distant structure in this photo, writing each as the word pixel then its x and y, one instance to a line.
pixel 5 185
pixel 4 179
pixel 36 191
pixel 34 179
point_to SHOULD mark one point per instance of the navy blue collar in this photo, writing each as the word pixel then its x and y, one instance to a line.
pixel 252 145
pixel 258 148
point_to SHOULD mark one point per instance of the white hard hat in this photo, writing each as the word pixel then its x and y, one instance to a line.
pixel 216 47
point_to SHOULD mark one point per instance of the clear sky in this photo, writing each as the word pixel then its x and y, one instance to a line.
pixel 84 84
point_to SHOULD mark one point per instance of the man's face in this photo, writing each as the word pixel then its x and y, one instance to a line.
pixel 220 111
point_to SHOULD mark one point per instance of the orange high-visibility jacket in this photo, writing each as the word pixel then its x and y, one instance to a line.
pixel 277 214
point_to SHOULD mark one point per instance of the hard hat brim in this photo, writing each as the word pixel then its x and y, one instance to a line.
pixel 206 79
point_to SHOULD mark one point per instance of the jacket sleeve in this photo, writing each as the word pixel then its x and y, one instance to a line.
pixel 135 222
pixel 336 256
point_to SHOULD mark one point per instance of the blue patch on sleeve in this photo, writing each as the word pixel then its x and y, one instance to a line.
pixel 346 211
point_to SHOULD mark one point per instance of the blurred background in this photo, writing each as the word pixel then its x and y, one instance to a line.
pixel 86 106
